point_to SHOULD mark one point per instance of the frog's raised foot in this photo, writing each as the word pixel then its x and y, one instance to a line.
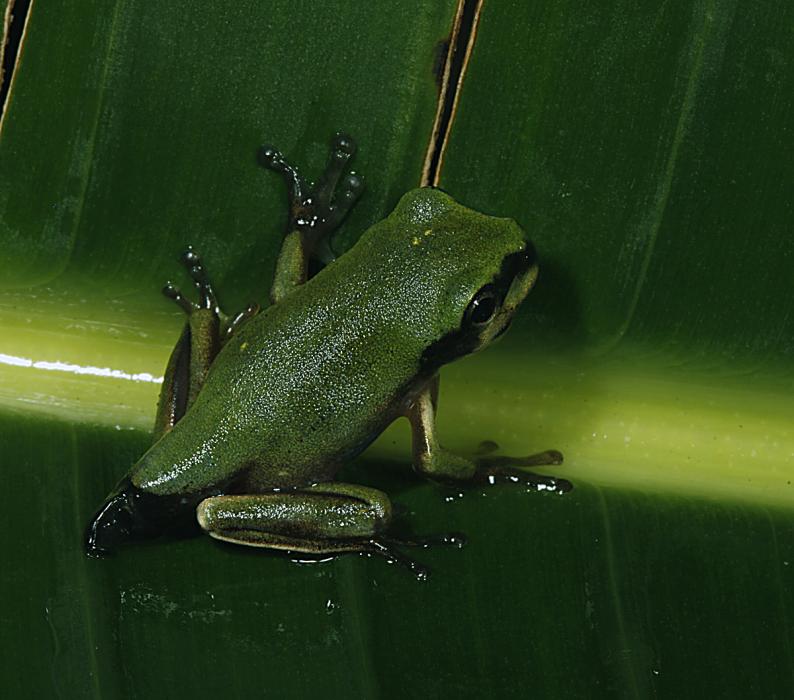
pixel 207 299
pixel 317 209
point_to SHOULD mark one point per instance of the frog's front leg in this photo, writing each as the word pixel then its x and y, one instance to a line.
pixel 314 212
pixel 206 330
pixel 437 463
pixel 327 518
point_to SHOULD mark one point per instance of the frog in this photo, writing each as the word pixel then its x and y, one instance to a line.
pixel 259 410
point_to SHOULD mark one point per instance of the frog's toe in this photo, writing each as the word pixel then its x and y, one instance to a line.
pixel 347 194
pixel 272 159
pixel 350 190
pixel 173 292
pixel 344 145
pixel 329 193
pixel 342 150
pixel 198 273
pixel 386 549
pixel 269 157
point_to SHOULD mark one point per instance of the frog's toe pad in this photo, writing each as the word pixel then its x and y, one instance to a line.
pixel 173 292
pixel 269 157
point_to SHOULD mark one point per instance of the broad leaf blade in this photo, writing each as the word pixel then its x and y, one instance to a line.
pixel 147 144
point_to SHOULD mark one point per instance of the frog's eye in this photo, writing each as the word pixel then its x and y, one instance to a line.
pixel 482 308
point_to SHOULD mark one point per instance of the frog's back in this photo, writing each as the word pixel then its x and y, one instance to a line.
pixel 312 380
pixel 303 386
pixel 315 378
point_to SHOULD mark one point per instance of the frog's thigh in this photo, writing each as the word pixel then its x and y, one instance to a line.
pixel 324 519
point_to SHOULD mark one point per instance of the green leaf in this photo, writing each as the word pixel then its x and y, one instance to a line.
pixel 645 149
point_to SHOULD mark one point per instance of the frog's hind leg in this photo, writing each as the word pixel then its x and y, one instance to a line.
pixel 315 210
pixel 206 330
pixel 329 518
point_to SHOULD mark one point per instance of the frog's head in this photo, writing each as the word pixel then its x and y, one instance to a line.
pixel 476 271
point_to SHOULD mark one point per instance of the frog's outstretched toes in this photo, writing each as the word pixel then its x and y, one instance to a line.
pixel 392 555
pixel 207 298
pixel 493 474
pixel 317 209
pixel 387 547
pixel 498 469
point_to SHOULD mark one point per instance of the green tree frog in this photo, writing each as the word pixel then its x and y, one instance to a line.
pixel 258 411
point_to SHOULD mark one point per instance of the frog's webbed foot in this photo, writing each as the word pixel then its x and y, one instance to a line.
pixel 498 469
pixel 389 549
pixel 206 330
pixel 207 307
pixel 207 299
pixel 315 210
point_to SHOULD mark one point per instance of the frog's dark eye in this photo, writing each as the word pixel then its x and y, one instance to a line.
pixel 483 307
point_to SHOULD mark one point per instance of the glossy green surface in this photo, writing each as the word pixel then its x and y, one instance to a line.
pixel 645 150
pixel 105 187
